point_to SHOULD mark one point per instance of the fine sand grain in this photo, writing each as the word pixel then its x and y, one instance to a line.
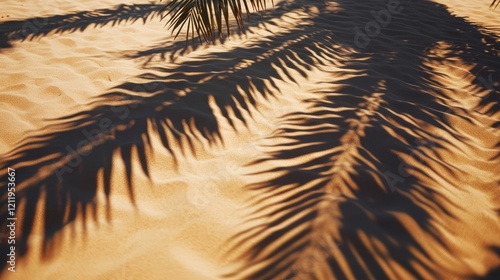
pixel 298 150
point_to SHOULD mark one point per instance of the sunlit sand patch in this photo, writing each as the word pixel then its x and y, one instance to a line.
pixel 323 159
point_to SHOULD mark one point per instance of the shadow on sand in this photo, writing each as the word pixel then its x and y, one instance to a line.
pixel 358 127
pixel 33 28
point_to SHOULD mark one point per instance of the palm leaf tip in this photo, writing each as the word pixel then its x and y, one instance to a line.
pixel 206 19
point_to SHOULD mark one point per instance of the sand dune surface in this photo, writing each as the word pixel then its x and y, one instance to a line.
pixel 332 140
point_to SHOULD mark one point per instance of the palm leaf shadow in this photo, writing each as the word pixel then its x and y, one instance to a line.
pixel 494 4
pixel 339 211
pixel 166 99
pixel 33 28
pixel 61 166
pixel 170 51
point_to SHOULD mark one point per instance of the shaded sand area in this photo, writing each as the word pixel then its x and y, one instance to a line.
pixel 299 150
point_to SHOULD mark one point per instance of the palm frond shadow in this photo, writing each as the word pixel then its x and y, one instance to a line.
pixel 170 50
pixel 176 104
pixel 60 167
pixel 351 208
pixel 33 28
pixel 494 4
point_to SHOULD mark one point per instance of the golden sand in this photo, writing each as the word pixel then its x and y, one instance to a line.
pixel 298 150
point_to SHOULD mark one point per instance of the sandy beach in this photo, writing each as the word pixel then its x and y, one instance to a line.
pixel 330 140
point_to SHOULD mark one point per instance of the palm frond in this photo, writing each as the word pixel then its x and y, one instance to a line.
pixel 328 214
pixel 16 30
pixel 207 17
pixel 333 213
pixel 148 103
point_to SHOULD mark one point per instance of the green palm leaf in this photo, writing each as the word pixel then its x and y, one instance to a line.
pixel 207 18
